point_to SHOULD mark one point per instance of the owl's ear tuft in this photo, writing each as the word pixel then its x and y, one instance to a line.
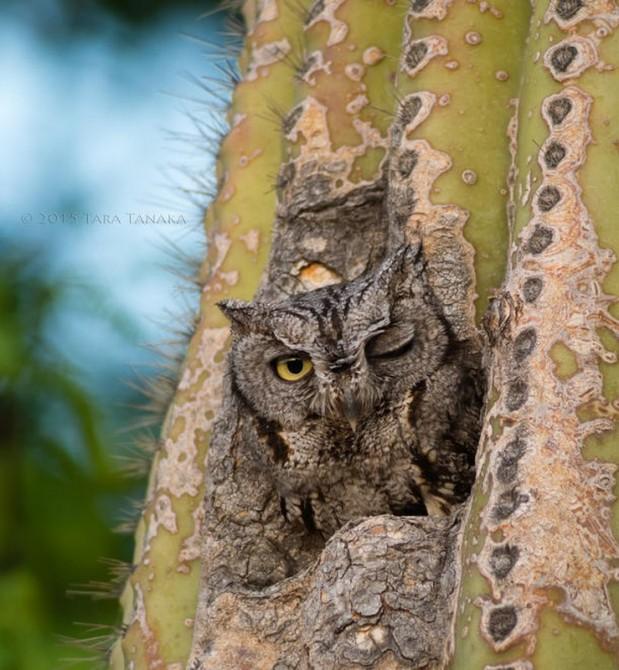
pixel 239 312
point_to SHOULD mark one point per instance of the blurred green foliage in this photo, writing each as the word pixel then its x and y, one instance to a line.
pixel 61 18
pixel 60 486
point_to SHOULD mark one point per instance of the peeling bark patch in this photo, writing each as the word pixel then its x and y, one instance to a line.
pixel 412 213
pixel 264 56
pixel 532 288
pixel 320 171
pixel 151 640
pixel 540 239
pixel 501 622
pixel 179 472
pixel 548 197
pixel 503 559
pixel 357 104
pixel 163 516
pixel 269 11
pixel 554 154
pixel 316 275
pixel 524 344
pixel 324 10
pixel 558 109
pixel 313 64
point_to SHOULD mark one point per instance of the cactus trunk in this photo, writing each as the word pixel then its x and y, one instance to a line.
pixel 540 548
pixel 490 131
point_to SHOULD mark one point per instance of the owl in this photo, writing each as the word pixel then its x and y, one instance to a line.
pixel 359 398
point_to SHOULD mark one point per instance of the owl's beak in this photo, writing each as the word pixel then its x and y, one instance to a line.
pixel 352 410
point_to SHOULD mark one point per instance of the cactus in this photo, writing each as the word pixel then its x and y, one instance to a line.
pixel 488 129
pixel 540 545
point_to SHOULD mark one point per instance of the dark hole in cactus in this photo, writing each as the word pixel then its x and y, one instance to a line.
pixel 517 394
pixel 541 238
pixel 291 119
pixel 507 468
pixel 503 559
pixel 305 66
pixel 501 622
pixel 554 154
pixel 524 344
pixel 558 109
pixel 406 163
pixel 316 9
pixel 286 175
pixel 420 5
pixel 532 288
pixel 563 56
pixel 508 503
pixel 567 9
pixel 548 197
pixel 415 54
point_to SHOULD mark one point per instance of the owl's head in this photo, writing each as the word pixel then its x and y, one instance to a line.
pixel 341 351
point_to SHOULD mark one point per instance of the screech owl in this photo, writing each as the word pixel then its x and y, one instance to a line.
pixel 362 400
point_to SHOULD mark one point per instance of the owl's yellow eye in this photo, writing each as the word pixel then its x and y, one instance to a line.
pixel 293 368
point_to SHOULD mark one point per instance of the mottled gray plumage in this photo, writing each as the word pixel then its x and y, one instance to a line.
pixel 387 421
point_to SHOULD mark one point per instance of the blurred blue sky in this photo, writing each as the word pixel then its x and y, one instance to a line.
pixel 93 124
